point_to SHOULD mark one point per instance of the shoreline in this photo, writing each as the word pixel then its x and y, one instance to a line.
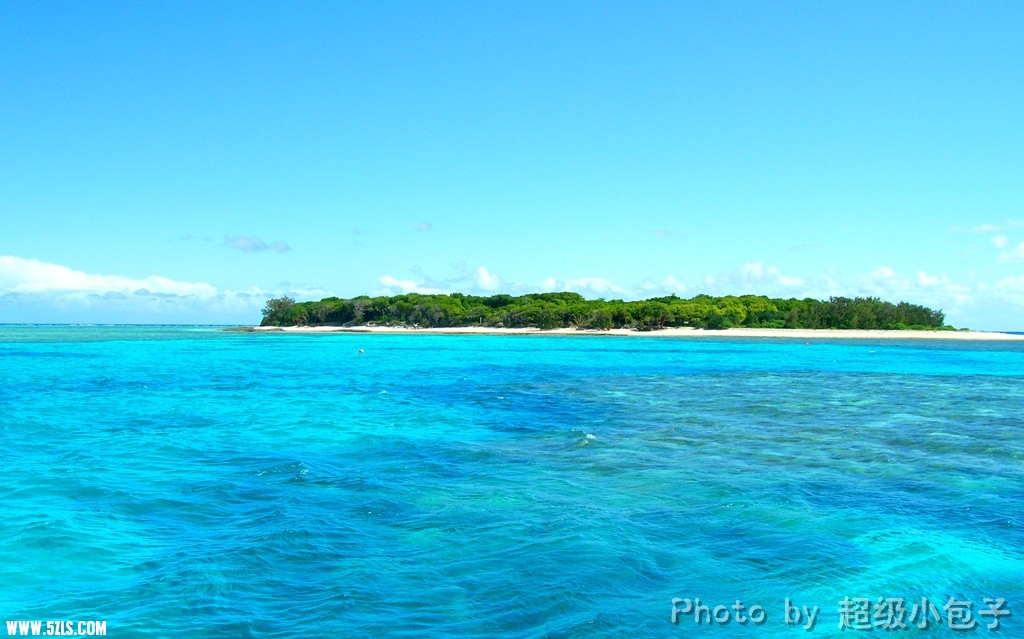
pixel 782 333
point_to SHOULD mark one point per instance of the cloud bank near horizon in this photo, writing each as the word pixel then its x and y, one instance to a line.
pixel 36 291
pixel 963 303
pixel 40 292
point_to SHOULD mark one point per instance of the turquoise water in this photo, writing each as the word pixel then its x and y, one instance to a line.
pixel 192 482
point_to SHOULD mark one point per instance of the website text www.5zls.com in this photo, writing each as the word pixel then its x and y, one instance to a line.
pixel 57 628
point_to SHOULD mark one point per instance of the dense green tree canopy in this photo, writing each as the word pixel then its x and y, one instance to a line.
pixel 566 310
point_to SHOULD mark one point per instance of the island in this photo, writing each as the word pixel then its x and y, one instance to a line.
pixel 567 310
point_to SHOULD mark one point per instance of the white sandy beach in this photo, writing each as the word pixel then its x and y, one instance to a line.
pixel 799 334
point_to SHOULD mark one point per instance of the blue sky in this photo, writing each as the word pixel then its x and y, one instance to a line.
pixel 183 162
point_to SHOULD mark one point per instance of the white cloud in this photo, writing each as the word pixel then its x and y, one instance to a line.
pixel 479 281
pixel 1011 287
pixel 253 244
pixel 1015 254
pixel 27 276
pixel 36 291
pixel 771 274
pixel 753 269
pixel 482 281
pixel 486 280
pixel 671 283
pixel 1000 241
pixel 667 286
pixel 406 286
pixel 927 280
pixel 395 286
pixel 934 291
pixel 594 285
pixel 424 227
pixel 753 277
pixel 790 281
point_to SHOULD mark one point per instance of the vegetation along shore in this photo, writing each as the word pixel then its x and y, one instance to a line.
pixel 550 311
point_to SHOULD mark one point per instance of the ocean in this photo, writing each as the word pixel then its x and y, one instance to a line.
pixel 186 481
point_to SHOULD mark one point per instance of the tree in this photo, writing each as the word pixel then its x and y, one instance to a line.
pixel 652 315
pixel 601 319
pixel 277 310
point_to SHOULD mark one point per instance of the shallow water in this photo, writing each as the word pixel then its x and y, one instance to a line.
pixel 177 481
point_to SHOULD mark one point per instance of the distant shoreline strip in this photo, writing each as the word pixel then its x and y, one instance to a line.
pixel 784 333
